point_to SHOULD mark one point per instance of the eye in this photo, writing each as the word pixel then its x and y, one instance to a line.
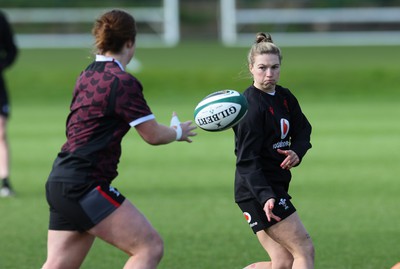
pixel 276 66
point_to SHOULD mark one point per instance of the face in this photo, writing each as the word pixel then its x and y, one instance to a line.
pixel 265 71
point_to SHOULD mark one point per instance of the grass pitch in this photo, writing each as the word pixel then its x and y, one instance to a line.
pixel 346 189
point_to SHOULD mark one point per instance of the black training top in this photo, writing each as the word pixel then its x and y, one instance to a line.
pixel 8 49
pixel 8 54
pixel 272 122
pixel 106 102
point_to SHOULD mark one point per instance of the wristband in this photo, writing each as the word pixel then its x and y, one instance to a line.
pixel 176 125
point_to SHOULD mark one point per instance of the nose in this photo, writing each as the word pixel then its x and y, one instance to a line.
pixel 269 72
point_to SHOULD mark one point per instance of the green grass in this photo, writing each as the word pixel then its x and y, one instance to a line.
pixel 346 189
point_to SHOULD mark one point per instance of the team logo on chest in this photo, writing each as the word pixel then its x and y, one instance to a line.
pixel 284 128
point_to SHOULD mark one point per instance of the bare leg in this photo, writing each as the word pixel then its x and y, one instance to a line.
pixel 280 257
pixel 4 156
pixel 396 266
pixel 291 235
pixel 67 249
pixel 259 265
pixel 127 229
pixel 5 187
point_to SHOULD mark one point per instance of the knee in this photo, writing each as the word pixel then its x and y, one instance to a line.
pixel 157 246
pixel 311 252
pixel 283 264
pixel 282 260
pixel 57 264
pixel 307 253
pixel 153 247
pixel 3 136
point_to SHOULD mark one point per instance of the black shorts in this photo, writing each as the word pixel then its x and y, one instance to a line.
pixel 255 215
pixel 4 105
pixel 79 207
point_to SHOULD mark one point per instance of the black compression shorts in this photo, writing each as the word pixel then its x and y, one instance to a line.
pixel 79 207
pixel 255 215
pixel 4 105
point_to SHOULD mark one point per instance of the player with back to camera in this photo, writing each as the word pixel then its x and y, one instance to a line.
pixel 271 139
pixel 8 53
pixel 107 102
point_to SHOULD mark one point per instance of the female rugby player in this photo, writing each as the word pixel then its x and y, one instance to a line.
pixel 271 139
pixel 106 103
pixel 8 54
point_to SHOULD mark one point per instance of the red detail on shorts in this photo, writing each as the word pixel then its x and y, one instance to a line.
pixel 108 197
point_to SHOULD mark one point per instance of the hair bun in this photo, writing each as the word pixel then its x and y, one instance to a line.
pixel 262 37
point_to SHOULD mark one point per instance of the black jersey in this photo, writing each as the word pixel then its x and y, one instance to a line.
pixel 8 49
pixel 272 122
pixel 106 102
pixel 8 54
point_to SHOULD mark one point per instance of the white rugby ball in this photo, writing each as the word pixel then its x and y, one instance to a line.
pixel 220 110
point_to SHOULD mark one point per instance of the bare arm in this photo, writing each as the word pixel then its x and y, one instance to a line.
pixel 158 134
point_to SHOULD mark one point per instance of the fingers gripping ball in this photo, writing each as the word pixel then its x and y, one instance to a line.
pixel 220 110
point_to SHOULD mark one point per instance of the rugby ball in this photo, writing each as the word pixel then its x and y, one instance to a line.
pixel 220 110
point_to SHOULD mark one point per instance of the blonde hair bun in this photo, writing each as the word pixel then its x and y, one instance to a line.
pixel 263 37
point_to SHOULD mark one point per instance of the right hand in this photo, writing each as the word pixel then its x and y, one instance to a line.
pixel 268 207
pixel 187 129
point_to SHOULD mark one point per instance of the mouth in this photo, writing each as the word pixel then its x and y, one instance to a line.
pixel 269 81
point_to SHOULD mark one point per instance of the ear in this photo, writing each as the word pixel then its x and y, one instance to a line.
pixel 250 67
pixel 129 44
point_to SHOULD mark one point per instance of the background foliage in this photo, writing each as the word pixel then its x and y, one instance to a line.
pixel 201 19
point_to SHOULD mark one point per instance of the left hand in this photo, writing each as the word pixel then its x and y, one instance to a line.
pixel 268 207
pixel 291 159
